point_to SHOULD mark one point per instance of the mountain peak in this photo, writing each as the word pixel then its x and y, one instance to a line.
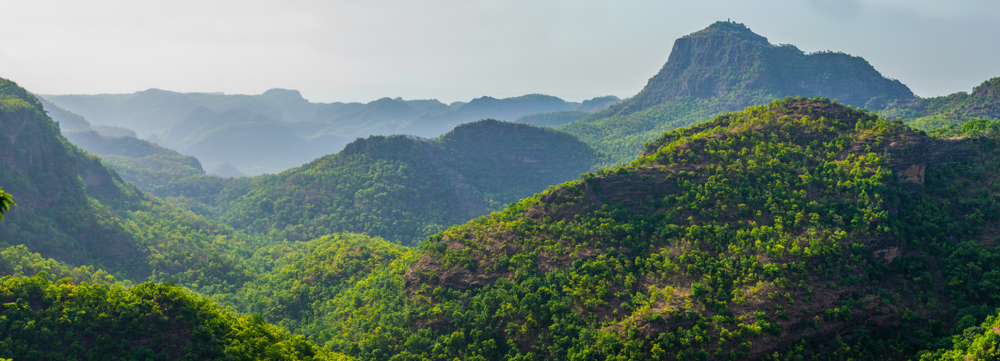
pixel 730 67
pixel 728 28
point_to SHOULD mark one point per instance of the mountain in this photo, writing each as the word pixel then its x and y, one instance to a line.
pixel 279 129
pixel 66 119
pixel 140 162
pixel 154 110
pixel 727 67
pixel 227 170
pixel 950 111
pixel 404 188
pixel 427 106
pixel 555 119
pixel 599 103
pixel 246 140
pixel 487 107
pixel 800 229
pixel 52 182
pixel 74 209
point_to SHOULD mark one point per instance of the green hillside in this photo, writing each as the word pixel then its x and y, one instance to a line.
pixel 947 114
pixel 80 242
pixel 45 320
pixel 727 67
pixel 76 210
pixel 798 229
pixel 404 189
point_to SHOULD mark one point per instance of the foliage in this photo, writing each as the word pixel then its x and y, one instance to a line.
pixel 156 171
pixel 945 115
pixel 302 276
pixel 45 320
pixel 975 343
pixel 781 222
pixel 18 261
pixel 74 209
pixel 404 189
pixel 6 201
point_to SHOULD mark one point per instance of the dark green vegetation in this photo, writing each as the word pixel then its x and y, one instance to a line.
pixel 76 210
pixel 726 67
pixel 980 342
pixel 799 229
pixel 45 320
pixel 5 202
pixel 80 213
pixel 403 188
pixel 946 115
pixel 87 219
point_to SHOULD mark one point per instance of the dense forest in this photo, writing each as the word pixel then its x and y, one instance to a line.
pixel 794 229
pixel 663 226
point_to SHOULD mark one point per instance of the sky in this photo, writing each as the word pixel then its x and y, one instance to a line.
pixel 456 50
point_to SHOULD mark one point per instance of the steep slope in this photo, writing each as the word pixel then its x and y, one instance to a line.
pixel 394 187
pixel 142 163
pixel 74 209
pixel 404 189
pixel 726 67
pixel 50 180
pixel 66 119
pixel 760 234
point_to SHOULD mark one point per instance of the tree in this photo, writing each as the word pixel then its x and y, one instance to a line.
pixel 5 202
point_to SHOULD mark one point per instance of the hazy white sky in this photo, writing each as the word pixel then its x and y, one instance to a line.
pixel 460 49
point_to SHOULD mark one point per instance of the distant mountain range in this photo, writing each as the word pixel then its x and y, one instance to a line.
pixel 279 129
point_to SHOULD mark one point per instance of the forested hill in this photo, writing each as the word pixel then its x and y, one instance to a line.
pixel 405 188
pixel 45 320
pixel 101 232
pixel 54 183
pixel 76 210
pixel 726 67
pixel 952 111
pixel 800 229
